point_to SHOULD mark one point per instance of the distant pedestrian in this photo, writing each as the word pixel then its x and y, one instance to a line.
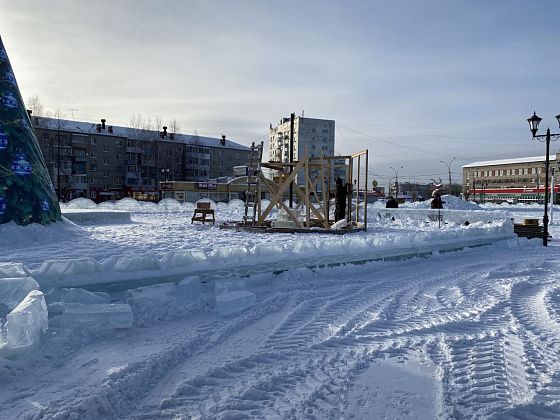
pixel 392 203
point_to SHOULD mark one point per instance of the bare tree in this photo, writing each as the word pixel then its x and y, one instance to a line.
pixel 174 126
pixel 35 105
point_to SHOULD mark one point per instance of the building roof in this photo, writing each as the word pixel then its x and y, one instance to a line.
pixel 83 127
pixel 509 161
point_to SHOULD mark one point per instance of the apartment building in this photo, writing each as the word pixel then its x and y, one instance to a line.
pixel 513 180
pixel 107 162
pixel 312 138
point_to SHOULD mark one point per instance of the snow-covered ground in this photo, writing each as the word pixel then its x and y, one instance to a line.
pixel 467 334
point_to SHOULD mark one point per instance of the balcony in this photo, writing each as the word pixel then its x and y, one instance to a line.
pixel 133 174
pixel 133 149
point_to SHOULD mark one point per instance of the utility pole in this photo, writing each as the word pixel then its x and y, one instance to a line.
pixel 292 118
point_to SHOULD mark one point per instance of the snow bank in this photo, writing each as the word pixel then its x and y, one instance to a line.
pixel 13 235
pixel 54 270
pixel 27 321
pixel 129 263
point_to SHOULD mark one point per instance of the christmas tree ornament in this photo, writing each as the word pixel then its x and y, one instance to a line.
pixel 10 78
pixel 9 101
pixel 2 206
pixel 21 166
pixel 3 139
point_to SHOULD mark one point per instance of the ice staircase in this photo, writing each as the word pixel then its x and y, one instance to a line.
pixel 253 170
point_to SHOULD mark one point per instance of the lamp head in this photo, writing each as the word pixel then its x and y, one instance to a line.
pixel 534 122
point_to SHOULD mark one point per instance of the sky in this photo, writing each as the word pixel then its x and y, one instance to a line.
pixel 414 82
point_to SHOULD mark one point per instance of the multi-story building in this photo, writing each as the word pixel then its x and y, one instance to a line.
pixel 106 162
pixel 312 138
pixel 512 180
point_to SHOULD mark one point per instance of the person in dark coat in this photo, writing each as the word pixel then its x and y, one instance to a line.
pixel 392 203
pixel 340 193
pixel 436 201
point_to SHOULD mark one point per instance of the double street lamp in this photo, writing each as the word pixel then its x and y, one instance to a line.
pixel 396 171
pixel 534 122
pixel 448 171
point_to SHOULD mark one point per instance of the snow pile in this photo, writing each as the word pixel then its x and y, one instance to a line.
pixel 81 203
pixel 169 204
pixel 128 204
pixel 27 321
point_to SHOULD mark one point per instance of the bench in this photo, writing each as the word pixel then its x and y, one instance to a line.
pixel 203 209
pixel 530 228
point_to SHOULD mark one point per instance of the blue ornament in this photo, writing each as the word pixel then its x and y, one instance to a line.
pixel 9 101
pixel 45 205
pixel 3 55
pixel 10 78
pixel 3 140
pixel 20 166
pixel 2 206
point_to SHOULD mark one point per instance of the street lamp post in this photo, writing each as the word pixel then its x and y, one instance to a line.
pixel 396 171
pixel 448 170
pixel 534 122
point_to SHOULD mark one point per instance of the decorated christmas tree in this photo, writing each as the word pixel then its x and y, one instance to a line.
pixel 26 191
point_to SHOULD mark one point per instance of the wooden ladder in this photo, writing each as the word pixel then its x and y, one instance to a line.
pixel 253 170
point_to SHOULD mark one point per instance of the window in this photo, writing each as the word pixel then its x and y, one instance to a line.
pixel 106 161
pixel 93 140
pixel 105 174
pixel 92 153
pixel 118 143
pixel 105 148
pixel 93 167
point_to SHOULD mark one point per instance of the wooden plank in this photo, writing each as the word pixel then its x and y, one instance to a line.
pixel 281 190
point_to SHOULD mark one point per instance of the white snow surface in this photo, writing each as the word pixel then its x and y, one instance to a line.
pixel 467 334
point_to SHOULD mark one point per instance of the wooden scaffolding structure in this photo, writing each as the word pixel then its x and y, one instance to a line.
pixel 315 177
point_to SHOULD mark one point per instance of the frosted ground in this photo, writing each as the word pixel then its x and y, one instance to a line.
pixel 467 334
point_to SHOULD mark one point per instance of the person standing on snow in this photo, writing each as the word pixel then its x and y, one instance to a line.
pixel 437 203
pixel 340 193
